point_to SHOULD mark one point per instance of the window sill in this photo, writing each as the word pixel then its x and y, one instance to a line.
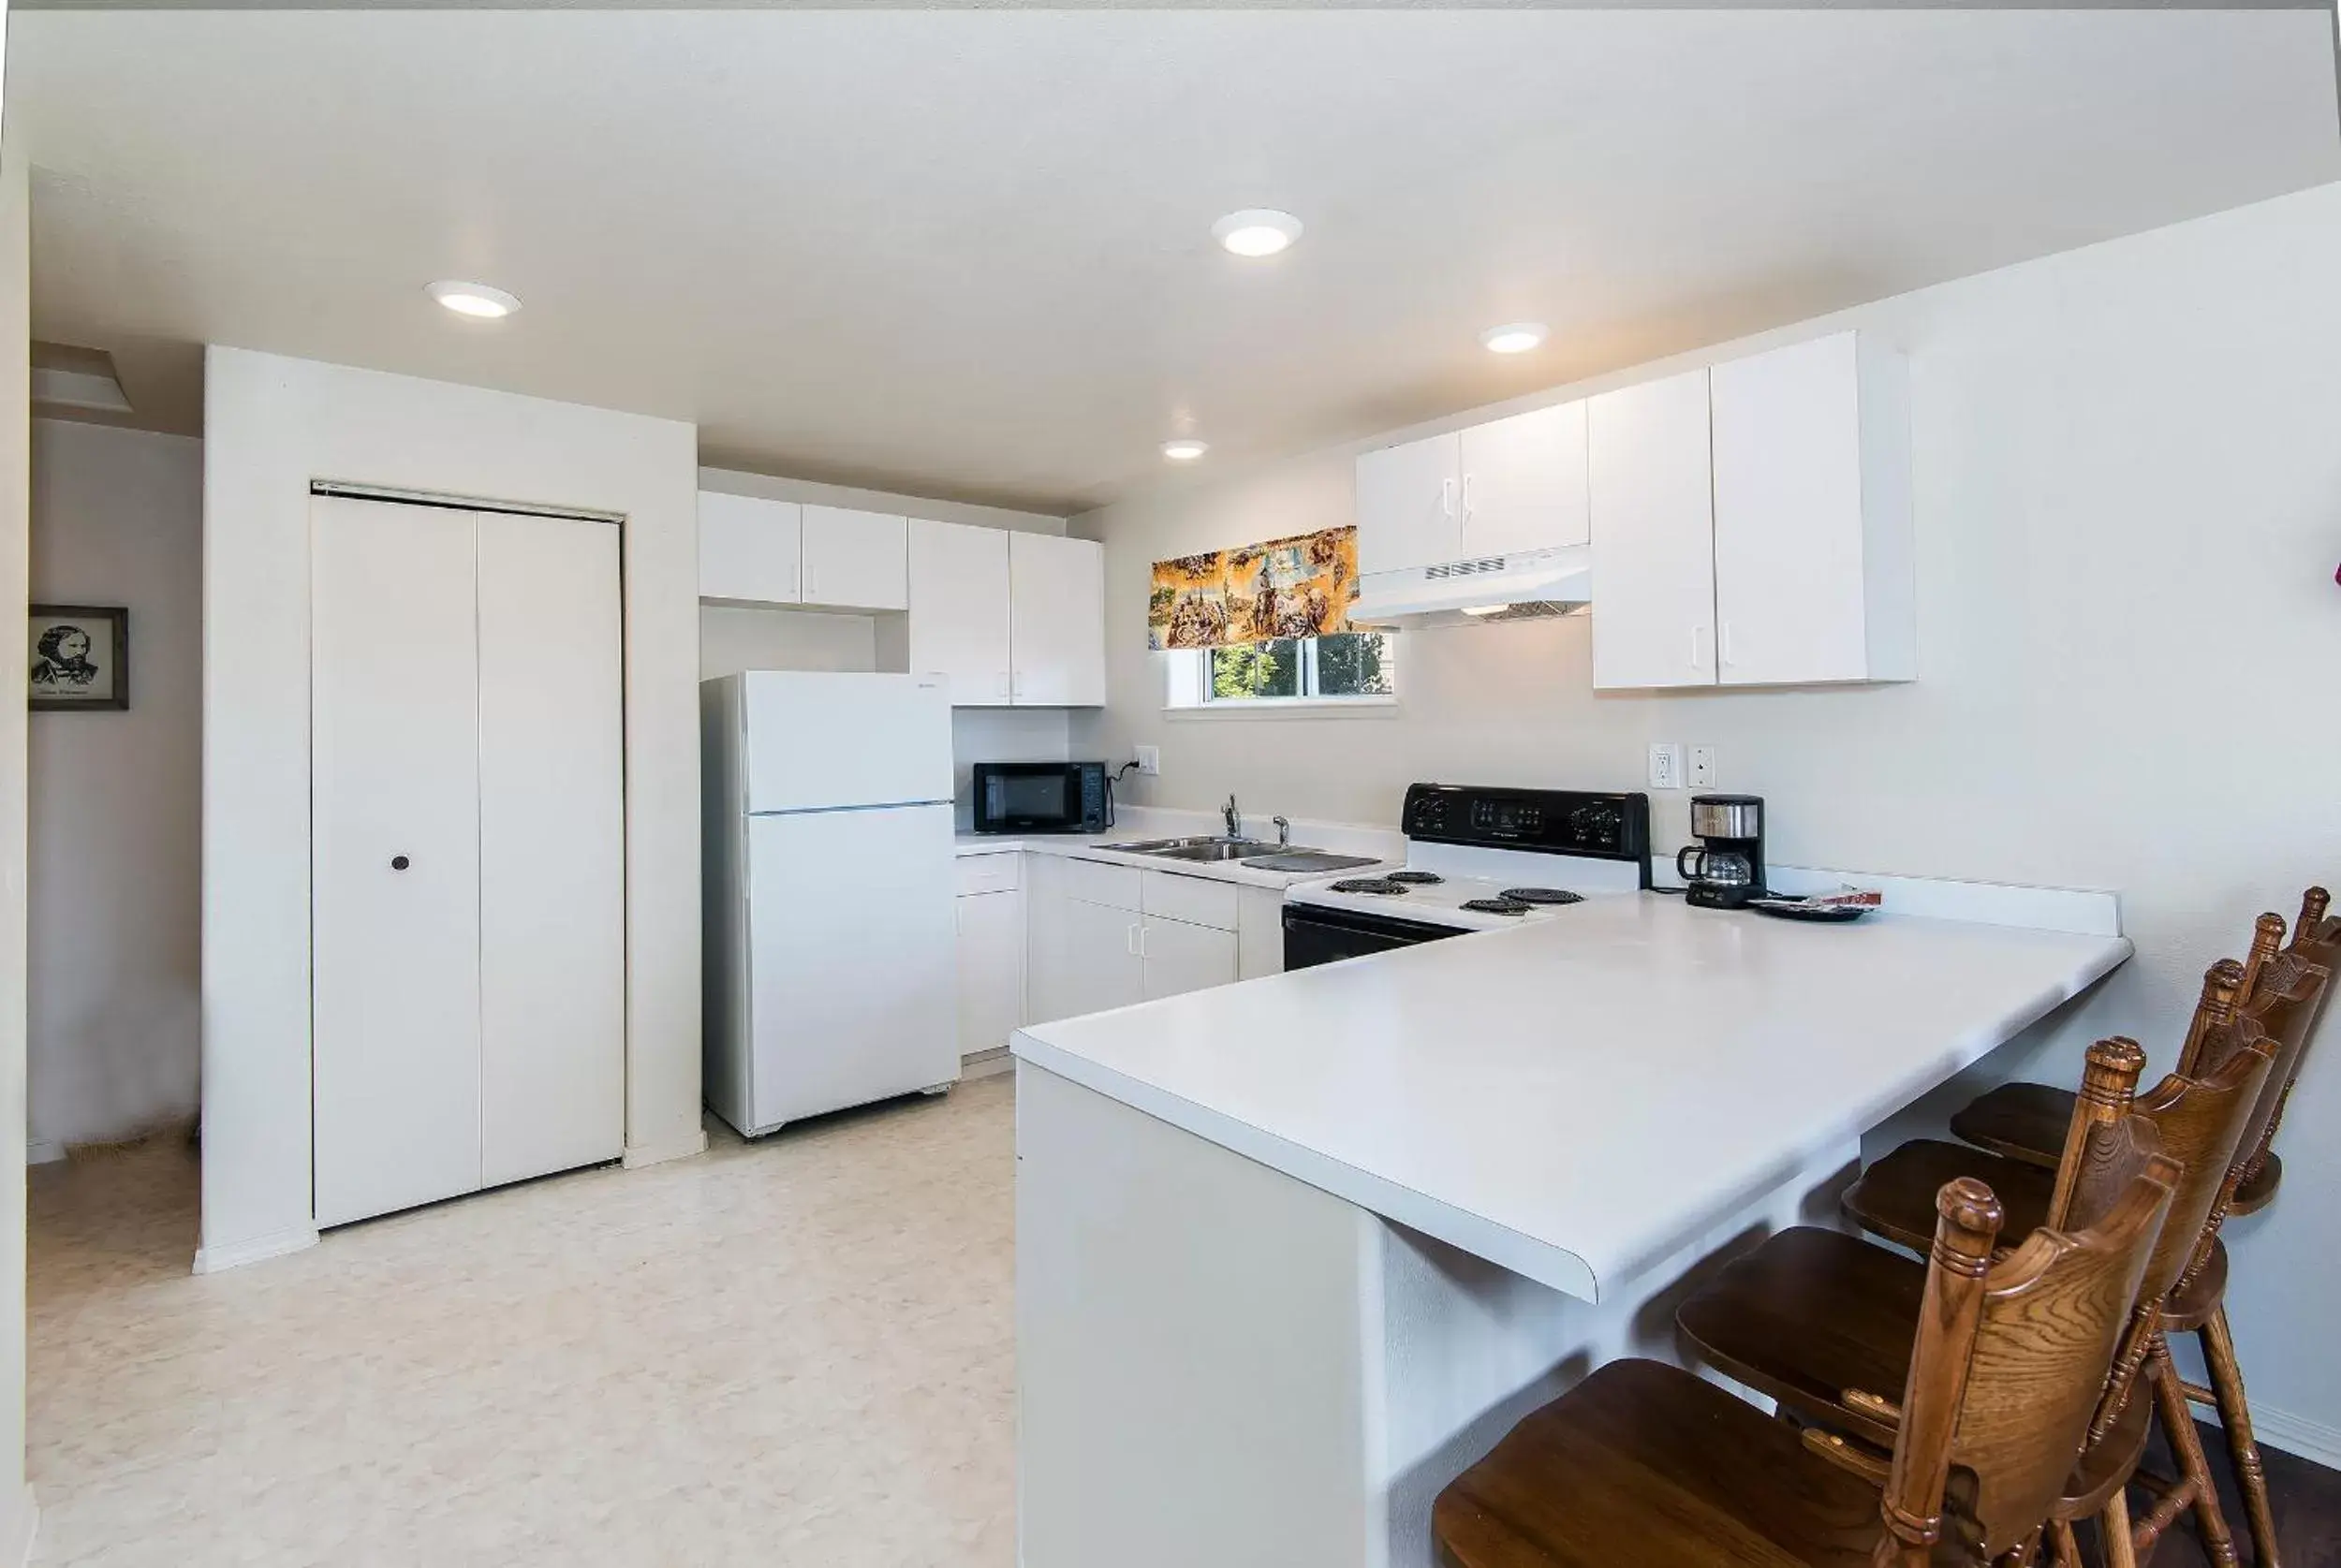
pixel 1287 708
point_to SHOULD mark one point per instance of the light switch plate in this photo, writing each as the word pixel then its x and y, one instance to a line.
pixel 1149 760
pixel 1702 767
pixel 1666 765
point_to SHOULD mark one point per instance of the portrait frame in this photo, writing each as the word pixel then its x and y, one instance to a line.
pixel 107 630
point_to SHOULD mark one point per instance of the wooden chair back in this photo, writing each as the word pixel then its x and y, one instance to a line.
pixel 2011 1360
pixel 2201 1121
pixel 2288 997
pixel 2316 946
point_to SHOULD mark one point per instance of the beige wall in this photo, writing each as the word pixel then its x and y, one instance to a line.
pixel 2129 514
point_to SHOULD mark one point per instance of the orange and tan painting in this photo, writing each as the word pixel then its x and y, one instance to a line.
pixel 1296 587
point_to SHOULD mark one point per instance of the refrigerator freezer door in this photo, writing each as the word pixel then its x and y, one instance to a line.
pixel 854 974
pixel 817 741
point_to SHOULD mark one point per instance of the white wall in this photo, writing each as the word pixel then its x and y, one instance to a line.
pixel 16 1499
pixel 2129 514
pixel 733 637
pixel 272 425
pixel 116 798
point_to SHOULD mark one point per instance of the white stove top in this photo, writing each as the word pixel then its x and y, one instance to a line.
pixel 1467 874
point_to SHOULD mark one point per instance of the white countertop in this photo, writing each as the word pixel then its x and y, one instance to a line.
pixel 1575 1100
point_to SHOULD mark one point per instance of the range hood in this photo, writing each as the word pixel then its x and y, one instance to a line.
pixel 1526 586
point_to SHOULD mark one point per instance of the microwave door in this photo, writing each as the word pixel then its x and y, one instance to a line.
pixel 1035 799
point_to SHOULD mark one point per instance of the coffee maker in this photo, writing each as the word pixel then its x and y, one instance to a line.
pixel 1725 868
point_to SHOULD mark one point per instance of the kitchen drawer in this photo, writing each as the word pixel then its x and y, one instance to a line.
pixel 999 872
pixel 1192 899
pixel 1093 882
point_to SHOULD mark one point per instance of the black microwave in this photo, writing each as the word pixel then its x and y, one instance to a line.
pixel 1042 797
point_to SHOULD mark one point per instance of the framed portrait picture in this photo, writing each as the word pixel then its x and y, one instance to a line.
pixel 81 657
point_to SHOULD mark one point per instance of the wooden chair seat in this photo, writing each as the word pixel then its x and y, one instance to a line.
pixel 2022 1121
pixel 1895 1197
pixel 2026 1121
pixel 1812 1314
pixel 2199 1298
pixel 1645 1464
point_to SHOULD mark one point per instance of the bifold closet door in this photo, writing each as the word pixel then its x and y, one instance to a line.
pixel 551 845
pixel 394 726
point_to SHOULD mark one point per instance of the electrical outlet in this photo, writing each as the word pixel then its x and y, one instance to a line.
pixel 1150 761
pixel 1666 765
pixel 1702 767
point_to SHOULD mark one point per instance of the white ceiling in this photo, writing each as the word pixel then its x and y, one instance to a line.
pixel 967 252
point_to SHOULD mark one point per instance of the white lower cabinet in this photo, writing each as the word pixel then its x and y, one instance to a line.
pixel 1099 967
pixel 1181 958
pixel 1102 936
pixel 991 969
pixel 1259 933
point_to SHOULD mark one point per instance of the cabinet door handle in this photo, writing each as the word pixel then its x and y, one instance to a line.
pixel 1698 657
pixel 1467 498
pixel 1447 498
pixel 1726 644
pixel 1129 942
pixel 1002 688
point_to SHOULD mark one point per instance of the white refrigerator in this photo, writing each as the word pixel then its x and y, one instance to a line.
pixel 832 975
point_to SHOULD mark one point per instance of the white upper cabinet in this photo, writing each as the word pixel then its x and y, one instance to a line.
pixel 749 549
pixel 1653 584
pixel 1523 482
pixel 1409 504
pixel 1498 488
pixel 959 622
pixel 855 559
pixel 1812 526
pixel 1057 621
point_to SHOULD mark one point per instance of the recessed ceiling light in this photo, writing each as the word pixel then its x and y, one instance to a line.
pixel 473 300
pixel 1516 337
pixel 1256 231
pixel 1185 449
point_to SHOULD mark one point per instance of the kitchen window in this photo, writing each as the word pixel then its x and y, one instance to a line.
pixel 1343 669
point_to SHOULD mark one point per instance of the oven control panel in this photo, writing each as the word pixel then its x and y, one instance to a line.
pixel 1609 827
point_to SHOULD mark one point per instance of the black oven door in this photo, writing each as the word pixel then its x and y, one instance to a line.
pixel 1314 936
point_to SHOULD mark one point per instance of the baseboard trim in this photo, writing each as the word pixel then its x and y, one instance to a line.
pixel 212 1260
pixel 43 1152
pixel 640 1154
pixel 986 1064
pixel 2309 1440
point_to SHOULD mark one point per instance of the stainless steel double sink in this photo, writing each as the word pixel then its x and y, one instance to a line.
pixel 1252 852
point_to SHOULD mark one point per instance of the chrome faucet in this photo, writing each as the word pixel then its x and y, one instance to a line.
pixel 1235 818
pixel 1284 832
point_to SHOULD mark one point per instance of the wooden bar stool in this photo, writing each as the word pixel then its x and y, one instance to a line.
pixel 2288 991
pixel 2201 1120
pixel 1824 1321
pixel 1646 1466
pixel 2027 1120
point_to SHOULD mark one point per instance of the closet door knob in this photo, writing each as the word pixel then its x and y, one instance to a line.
pixel 400 862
